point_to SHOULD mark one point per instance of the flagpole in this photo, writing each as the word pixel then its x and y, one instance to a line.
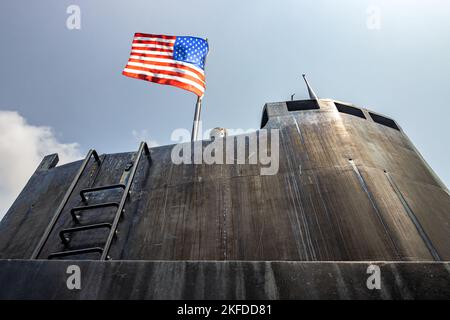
pixel 198 110
pixel 195 125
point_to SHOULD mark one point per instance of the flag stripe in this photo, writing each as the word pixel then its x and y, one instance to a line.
pixel 167 72
pixel 165 79
pixel 153 67
pixel 150 56
pixel 146 35
pixel 169 63
pixel 154 42
pixel 154 39
pixel 148 45
pixel 160 52
pixel 166 76
pixel 153 49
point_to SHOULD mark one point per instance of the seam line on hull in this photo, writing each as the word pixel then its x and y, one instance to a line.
pixel 363 184
pixel 414 219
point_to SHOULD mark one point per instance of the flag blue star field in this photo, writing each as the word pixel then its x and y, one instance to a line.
pixel 172 60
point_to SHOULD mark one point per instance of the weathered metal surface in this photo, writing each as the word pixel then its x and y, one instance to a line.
pixel 38 279
pixel 331 200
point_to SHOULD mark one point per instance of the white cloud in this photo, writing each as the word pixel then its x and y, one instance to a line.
pixel 22 147
pixel 142 135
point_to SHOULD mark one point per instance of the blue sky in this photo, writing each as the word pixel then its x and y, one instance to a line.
pixel 70 80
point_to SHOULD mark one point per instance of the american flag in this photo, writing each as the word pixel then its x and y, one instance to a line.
pixel 172 60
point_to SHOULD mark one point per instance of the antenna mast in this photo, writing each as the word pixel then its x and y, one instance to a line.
pixel 312 94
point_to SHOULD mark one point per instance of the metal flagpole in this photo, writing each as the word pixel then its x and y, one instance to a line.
pixel 195 125
pixel 198 109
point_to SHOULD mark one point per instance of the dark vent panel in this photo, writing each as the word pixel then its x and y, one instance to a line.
pixel 350 110
pixel 301 105
pixel 384 121
pixel 264 118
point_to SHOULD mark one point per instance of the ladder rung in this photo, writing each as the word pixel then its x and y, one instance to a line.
pixel 82 228
pixel 108 187
pixel 143 148
pixel 63 203
pixel 75 252
pixel 90 207
pixel 63 234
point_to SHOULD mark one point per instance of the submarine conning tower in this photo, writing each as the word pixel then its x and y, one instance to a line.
pixel 351 190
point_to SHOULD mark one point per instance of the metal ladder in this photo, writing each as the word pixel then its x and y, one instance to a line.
pixel 75 212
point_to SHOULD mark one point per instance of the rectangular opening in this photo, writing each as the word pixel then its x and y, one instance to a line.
pixel 350 110
pixel 264 118
pixel 384 121
pixel 300 105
